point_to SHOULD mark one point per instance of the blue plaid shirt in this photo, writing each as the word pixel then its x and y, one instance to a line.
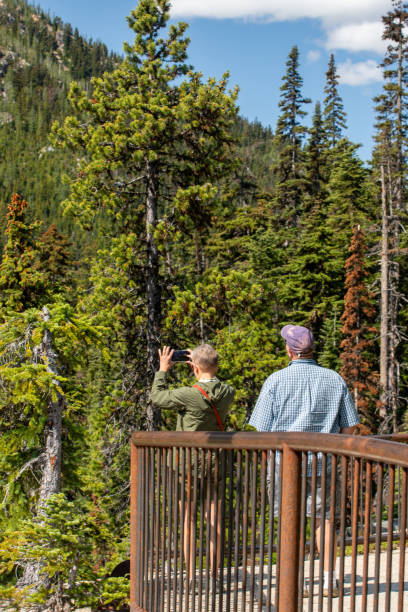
pixel 304 397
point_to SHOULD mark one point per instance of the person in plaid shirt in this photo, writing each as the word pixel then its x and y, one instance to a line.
pixel 306 397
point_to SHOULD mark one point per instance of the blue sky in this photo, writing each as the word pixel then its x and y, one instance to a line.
pixel 252 39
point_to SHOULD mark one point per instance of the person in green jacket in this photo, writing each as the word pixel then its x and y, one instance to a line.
pixel 195 412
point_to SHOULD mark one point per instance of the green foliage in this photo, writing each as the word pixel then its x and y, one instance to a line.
pixel 289 170
pixel 186 223
pixel 73 544
pixel 154 149
pixel 218 299
pixel 316 162
pixel 21 285
pixel 249 353
pixel 33 268
pixel 334 115
pixel 330 338
pixel 40 57
pixel 26 389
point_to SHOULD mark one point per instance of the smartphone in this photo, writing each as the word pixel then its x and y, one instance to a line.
pixel 180 356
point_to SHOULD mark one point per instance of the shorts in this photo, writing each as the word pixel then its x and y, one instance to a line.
pixel 309 500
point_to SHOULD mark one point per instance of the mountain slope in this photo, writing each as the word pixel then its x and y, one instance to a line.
pixel 39 58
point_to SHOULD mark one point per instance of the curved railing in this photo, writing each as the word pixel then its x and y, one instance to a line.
pixel 230 521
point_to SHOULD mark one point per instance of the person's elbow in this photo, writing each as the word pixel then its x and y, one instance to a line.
pixel 155 399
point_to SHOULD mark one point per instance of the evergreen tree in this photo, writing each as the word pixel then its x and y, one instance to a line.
pixel 21 284
pixel 356 356
pixel 333 113
pixel 316 167
pixel 349 197
pixel 40 351
pixel 289 171
pixel 156 149
pixel 307 283
pixel 148 133
pixel 133 115
pixel 33 269
pixel 330 339
pixel 54 260
pixel 73 541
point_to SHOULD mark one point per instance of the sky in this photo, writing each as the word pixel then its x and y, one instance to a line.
pixel 252 39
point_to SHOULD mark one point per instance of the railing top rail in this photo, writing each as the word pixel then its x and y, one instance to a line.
pixel 393 437
pixel 367 447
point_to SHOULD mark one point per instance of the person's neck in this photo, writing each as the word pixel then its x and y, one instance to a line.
pixel 205 376
pixel 296 357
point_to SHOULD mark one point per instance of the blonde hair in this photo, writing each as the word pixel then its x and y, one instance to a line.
pixel 205 357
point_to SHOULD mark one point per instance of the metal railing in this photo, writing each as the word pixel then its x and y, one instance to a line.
pixel 233 521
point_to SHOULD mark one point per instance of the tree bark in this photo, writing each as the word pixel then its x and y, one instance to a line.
pixel 385 290
pixel 153 292
pixel 200 267
pixel 395 268
pixel 52 454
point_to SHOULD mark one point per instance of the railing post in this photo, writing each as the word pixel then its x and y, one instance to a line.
pixel 290 531
pixel 134 528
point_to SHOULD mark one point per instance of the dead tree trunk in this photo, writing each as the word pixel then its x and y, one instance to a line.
pixel 52 454
pixel 200 267
pixel 153 293
pixel 50 481
pixel 385 291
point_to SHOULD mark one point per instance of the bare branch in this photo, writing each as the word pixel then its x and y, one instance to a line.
pixel 25 467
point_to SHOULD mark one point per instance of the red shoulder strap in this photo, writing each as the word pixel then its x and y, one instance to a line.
pixel 217 416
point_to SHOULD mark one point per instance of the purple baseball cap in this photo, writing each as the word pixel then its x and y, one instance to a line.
pixel 299 339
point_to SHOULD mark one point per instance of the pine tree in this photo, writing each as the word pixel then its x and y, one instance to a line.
pixel 21 285
pixel 54 260
pixel 133 115
pixel 333 113
pixel 33 269
pixel 316 167
pixel 349 198
pixel 330 339
pixel 289 171
pixel 40 348
pixel 148 133
pixel 307 283
pixel 356 356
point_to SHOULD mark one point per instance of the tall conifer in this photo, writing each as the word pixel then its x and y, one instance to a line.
pixel 316 157
pixel 21 284
pixel 358 369
pixel 151 131
pixel 333 111
pixel 289 170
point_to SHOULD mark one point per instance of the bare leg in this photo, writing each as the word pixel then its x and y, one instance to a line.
pixel 189 534
pixel 215 537
pixel 327 532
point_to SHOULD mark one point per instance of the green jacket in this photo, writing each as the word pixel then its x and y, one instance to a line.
pixel 194 410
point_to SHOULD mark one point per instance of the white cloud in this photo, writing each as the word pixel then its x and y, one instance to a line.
pixel 360 73
pixel 353 25
pixel 313 56
pixel 282 10
pixel 364 36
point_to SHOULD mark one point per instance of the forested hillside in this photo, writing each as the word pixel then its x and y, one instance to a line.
pixel 177 222
pixel 39 58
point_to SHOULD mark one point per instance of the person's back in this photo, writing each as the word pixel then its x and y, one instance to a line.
pixel 201 407
pixel 195 404
pixel 303 397
pixel 306 397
